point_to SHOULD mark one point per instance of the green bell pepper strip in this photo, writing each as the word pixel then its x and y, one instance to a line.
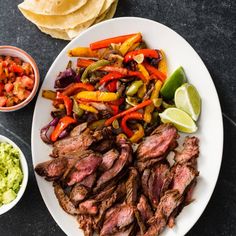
pixel 134 87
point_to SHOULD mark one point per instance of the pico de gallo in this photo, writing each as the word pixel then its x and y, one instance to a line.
pixel 16 80
pixel 115 82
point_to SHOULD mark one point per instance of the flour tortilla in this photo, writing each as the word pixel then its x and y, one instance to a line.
pixel 89 11
pixel 71 33
pixel 52 7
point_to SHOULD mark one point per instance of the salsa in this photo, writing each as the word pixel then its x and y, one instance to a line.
pixel 16 80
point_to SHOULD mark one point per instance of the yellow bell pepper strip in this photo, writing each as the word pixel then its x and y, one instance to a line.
pixel 130 116
pixel 151 53
pixel 49 94
pixel 97 124
pixel 88 108
pixel 67 102
pixel 97 96
pixel 93 67
pixel 154 71
pixel 128 43
pixel 132 109
pixel 134 87
pixel 149 109
pixel 132 101
pixel 138 134
pixel 107 42
pixel 62 125
pixel 75 87
pixel 134 46
pixel 84 62
pixel 143 70
pixel 142 91
pixel 162 65
pixel 82 52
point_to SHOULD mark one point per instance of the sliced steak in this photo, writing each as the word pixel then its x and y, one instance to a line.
pixel 142 165
pixel 125 156
pixel 168 203
pixel 126 232
pixel 157 183
pixel 161 140
pixel 120 218
pixel 190 150
pixel 64 200
pixel 89 181
pixel 144 209
pixel 132 186
pixel 78 194
pixel 103 145
pixel 183 177
pixel 78 129
pixel 84 168
pixel 86 224
pixel 144 181
pixel 108 159
pixel 88 207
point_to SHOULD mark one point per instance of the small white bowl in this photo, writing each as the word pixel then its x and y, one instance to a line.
pixel 24 167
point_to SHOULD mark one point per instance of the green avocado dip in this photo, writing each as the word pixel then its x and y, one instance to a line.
pixel 11 175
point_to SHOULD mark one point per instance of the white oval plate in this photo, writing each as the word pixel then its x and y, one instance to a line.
pixel 210 132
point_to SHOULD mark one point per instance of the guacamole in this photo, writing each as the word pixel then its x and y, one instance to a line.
pixel 11 174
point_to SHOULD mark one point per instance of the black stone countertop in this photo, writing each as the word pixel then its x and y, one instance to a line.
pixel 209 26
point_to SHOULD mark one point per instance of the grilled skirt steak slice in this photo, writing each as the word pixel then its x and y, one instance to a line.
pixel 86 224
pixel 125 156
pixel 132 186
pixel 120 218
pixel 144 181
pixel 190 150
pixel 161 140
pixel 108 159
pixel 89 181
pixel 168 203
pixel 142 165
pixel 78 194
pixel 64 200
pixel 88 207
pixel 103 145
pixel 84 168
pixel 126 232
pixel 78 129
pixel 144 208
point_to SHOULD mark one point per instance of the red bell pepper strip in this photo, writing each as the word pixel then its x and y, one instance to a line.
pixel 134 116
pixel 110 76
pixel 125 72
pixel 117 102
pixel 154 71
pixel 107 42
pixel 146 52
pixel 62 125
pixel 135 108
pixel 115 109
pixel 74 87
pixel 17 69
pixel 67 102
pixel 84 62
pixel 112 86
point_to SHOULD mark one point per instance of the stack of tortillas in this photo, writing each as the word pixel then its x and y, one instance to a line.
pixel 65 19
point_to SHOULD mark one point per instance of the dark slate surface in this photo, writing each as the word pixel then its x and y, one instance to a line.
pixel 209 26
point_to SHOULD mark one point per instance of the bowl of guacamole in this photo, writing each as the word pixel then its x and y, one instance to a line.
pixel 13 174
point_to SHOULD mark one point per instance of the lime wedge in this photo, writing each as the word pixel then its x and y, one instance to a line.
pixel 180 119
pixel 173 82
pixel 188 99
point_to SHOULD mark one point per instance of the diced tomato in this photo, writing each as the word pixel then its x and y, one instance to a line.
pixel 1 88
pixel 17 69
pixel 9 102
pixel 27 82
pixel 21 93
pixel 27 68
pixel 17 60
pixel 9 87
pixel 27 93
pixel 3 101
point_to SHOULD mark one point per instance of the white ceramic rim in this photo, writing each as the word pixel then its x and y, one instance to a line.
pixel 24 166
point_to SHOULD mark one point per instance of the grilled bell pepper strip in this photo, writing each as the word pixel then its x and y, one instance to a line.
pixel 117 102
pixel 110 76
pixel 115 109
pixel 154 71
pixel 62 125
pixel 134 87
pixel 84 62
pixel 67 102
pixel 142 91
pixel 112 86
pixel 138 134
pixel 133 116
pixel 82 52
pixel 93 67
pixel 97 96
pixel 128 43
pixel 49 94
pixel 76 109
pixel 143 70
pixel 97 124
pixel 88 108
pixel 74 87
pixel 146 52
pixel 132 109
pixel 107 42
pixel 150 108
pixel 162 65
